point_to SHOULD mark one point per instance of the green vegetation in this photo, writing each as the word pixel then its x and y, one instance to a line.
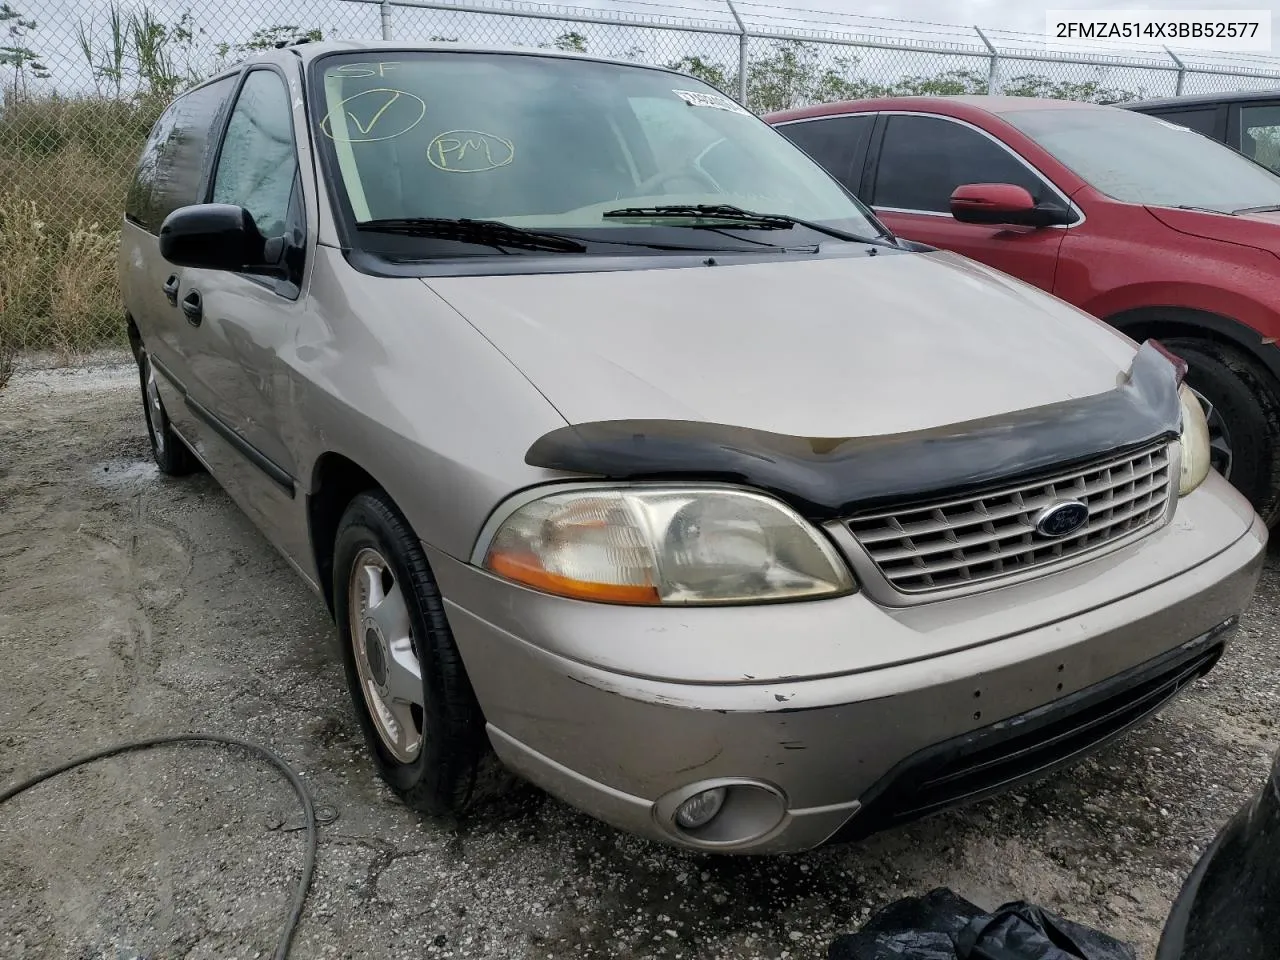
pixel 794 73
pixel 66 160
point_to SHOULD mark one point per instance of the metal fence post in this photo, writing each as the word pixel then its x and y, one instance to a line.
pixel 742 54
pixel 385 11
pixel 993 76
pixel 1182 71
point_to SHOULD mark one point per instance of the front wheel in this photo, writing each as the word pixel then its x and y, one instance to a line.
pixel 171 454
pixel 1244 422
pixel 407 682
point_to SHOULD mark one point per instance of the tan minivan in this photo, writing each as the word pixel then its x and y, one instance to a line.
pixel 632 454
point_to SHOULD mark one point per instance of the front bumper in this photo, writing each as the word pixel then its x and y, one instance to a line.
pixel 859 750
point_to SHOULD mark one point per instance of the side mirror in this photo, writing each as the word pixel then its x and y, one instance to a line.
pixel 1004 203
pixel 218 236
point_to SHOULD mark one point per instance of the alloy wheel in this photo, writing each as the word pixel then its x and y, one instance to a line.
pixel 155 407
pixel 386 655
pixel 1219 443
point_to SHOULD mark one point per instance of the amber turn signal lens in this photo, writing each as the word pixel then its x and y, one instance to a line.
pixel 526 569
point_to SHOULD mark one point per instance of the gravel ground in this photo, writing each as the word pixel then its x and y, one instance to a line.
pixel 132 605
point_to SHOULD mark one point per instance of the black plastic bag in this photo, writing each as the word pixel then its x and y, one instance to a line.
pixel 944 926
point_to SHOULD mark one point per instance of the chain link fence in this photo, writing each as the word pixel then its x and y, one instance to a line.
pixel 81 84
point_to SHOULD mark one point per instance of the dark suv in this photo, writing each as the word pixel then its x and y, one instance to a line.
pixel 1248 121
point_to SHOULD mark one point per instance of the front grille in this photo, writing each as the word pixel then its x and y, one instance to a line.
pixel 992 535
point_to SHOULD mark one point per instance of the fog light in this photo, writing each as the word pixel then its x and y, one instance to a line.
pixel 701 808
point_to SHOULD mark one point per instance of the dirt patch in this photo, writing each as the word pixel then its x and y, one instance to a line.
pixel 134 605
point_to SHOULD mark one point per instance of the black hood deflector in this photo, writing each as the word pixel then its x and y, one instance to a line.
pixel 824 478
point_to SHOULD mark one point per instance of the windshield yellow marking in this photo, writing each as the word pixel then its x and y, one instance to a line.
pixel 388 97
pixel 366 69
pixel 470 151
pixel 365 128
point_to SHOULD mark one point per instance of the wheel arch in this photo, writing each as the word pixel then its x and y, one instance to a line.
pixel 1142 323
pixel 134 334
pixel 336 480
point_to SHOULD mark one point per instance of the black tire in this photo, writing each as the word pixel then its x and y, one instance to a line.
pixel 455 766
pixel 171 453
pixel 1247 398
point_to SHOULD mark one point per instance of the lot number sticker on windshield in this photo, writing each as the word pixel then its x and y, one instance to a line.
pixel 696 98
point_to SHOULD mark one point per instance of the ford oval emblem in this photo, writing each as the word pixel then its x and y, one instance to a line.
pixel 1061 519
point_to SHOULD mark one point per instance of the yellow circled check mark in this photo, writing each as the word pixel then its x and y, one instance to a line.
pixel 365 128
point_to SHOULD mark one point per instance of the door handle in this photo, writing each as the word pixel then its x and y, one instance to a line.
pixel 170 289
pixel 193 308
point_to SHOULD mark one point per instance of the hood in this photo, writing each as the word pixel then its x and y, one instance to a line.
pixel 1258 230
pixel 834 347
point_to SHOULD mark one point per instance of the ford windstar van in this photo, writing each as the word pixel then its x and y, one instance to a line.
pixel 635 457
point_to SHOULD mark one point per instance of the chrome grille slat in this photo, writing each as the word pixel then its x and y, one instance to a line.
pixel 991 535
pixel 1010 553
pixel 1013 512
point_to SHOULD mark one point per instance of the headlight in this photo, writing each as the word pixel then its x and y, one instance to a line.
pixel 666 545
pixel 1195 442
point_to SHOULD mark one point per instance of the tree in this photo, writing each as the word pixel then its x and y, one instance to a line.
pixel 713 73
pixel 793 74
pixel 572 40
pixel 1090 91
pixel 16 53
pixel 784 78
pixel 268 38
pixel 950 83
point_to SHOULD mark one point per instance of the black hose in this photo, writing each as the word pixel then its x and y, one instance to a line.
pixel 300 788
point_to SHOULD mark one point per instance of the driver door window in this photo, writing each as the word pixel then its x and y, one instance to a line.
pixel 258 167
pixel 924 159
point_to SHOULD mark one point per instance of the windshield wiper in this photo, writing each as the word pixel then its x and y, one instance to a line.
pixel 726 211
pixel 1265 208
pixel 490 233
pixel 1193 207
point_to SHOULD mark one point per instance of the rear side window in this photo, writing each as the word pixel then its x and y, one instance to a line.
pixel 1201 121
pixel 1260 134
pixel 177 154
pixel 257 167
pixel 924 159
pixel 838 143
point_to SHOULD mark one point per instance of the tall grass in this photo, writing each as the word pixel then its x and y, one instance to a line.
pixel 65 165
pixel 64 170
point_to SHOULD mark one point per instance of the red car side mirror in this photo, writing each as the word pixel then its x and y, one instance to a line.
pixel 1003 203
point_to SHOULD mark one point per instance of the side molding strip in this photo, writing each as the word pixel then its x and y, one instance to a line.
pixel 275 473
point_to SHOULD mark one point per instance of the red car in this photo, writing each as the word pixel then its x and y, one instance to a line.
pixel 1154 228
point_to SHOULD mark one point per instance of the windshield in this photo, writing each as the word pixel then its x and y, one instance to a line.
pixel 1141 159
pixel 552 144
